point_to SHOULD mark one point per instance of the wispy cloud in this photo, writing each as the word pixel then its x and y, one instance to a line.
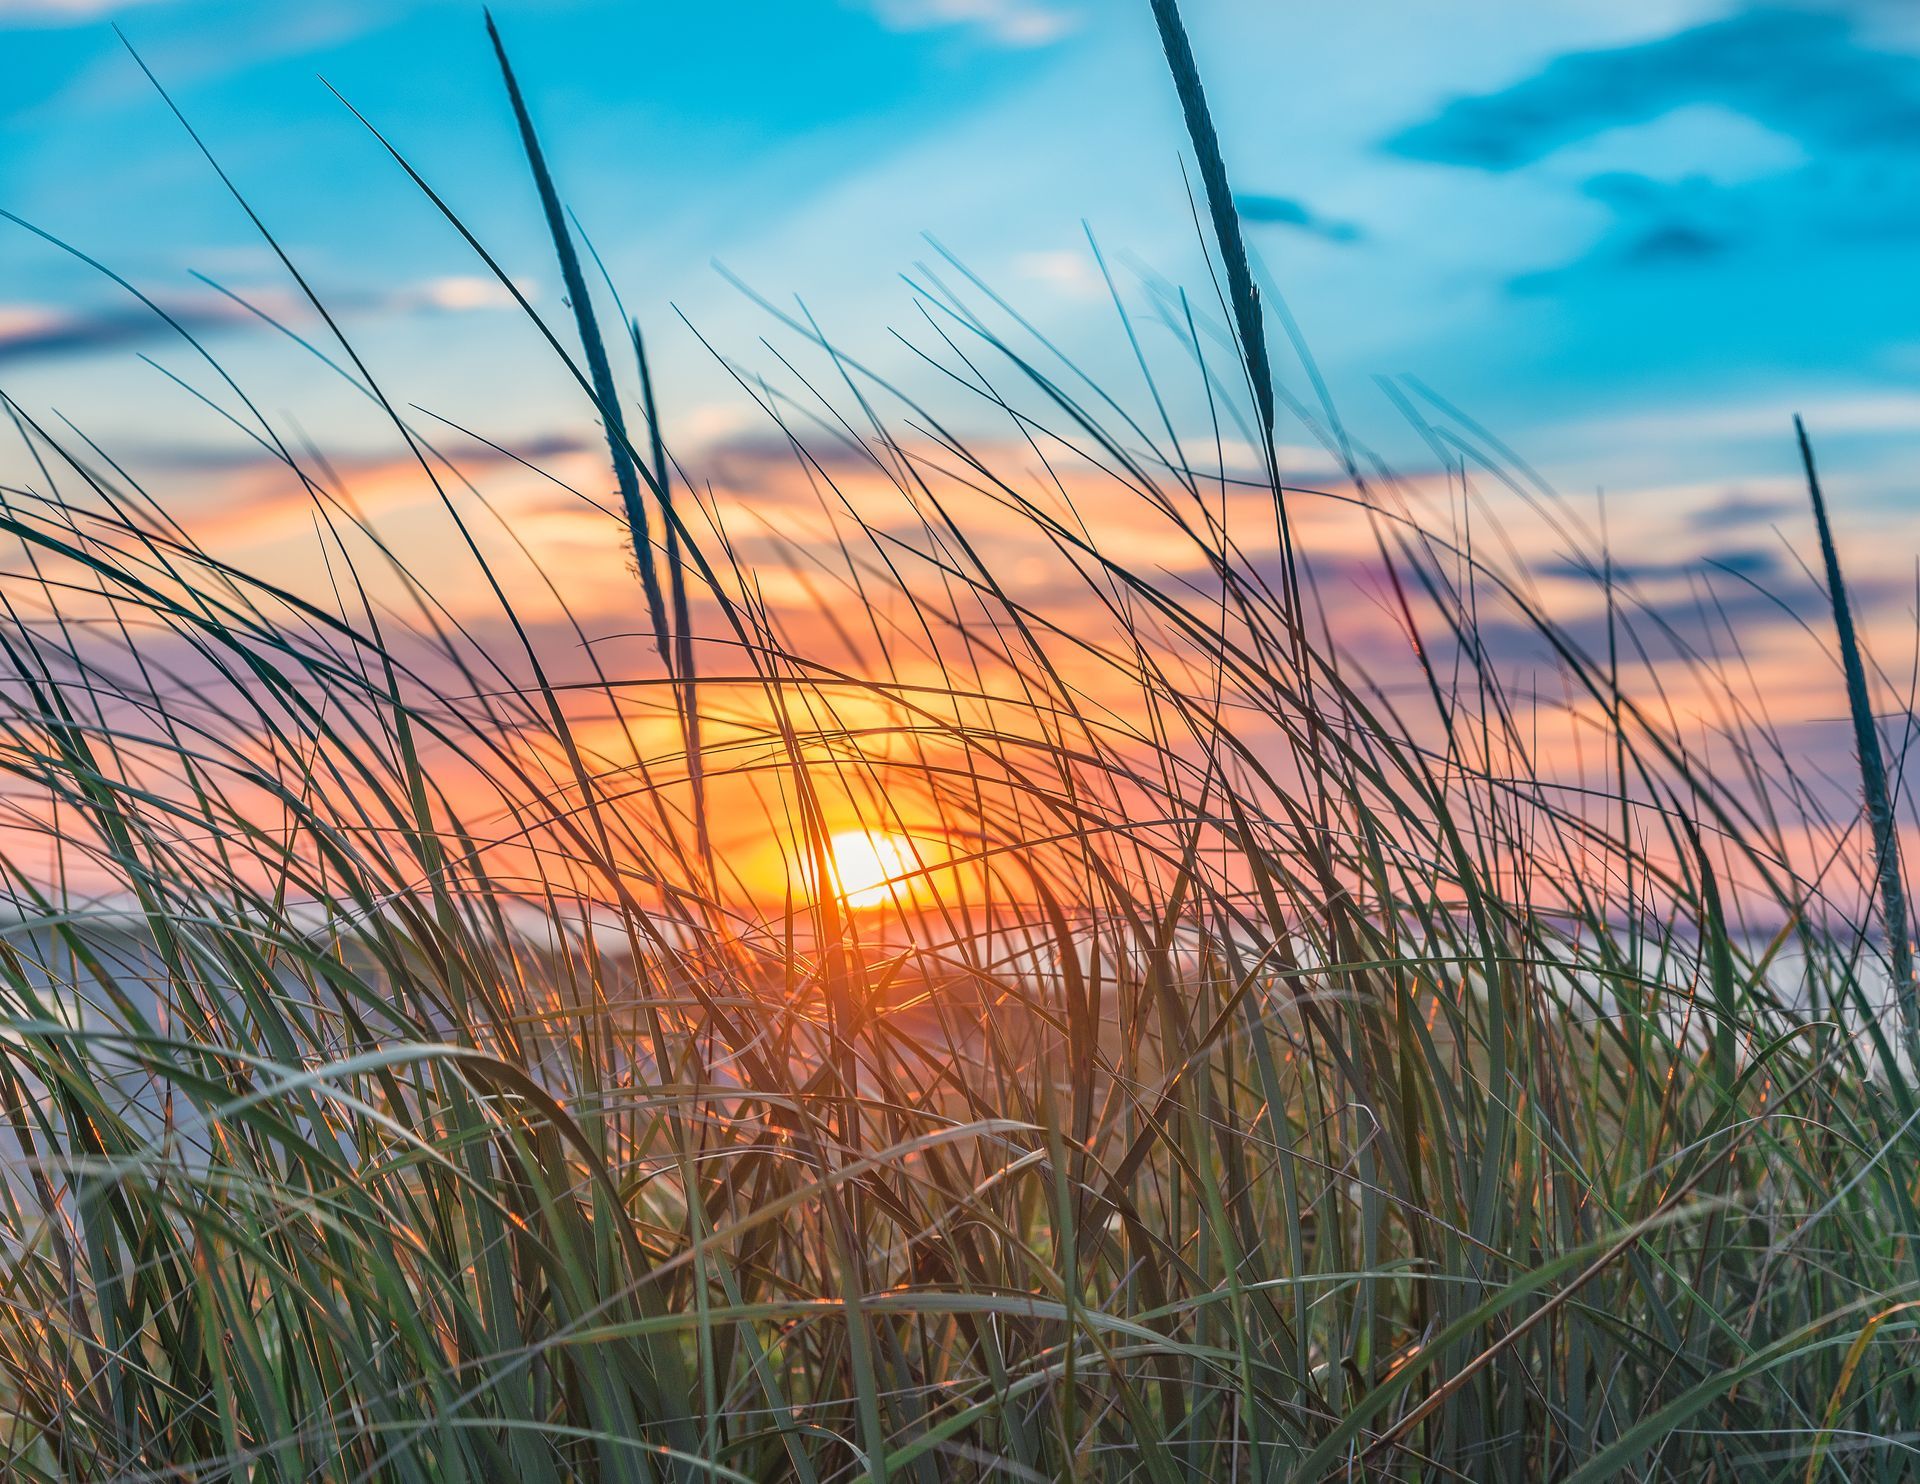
pixel 1069 273
pixel 1008 22
pixel 456 294
pixel 59 12
pixel 1867 412
pixel 35 331
pixel 1740 510
pixel 1757 563
pixel 245 500
pixel 1285 211
pixel 31 331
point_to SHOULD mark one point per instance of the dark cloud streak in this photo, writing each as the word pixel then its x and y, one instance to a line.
pixel 36 332
pixel 1284 211
pixel 41 331
pixel 1804 73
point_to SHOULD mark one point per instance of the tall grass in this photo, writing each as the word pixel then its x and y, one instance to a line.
pixel 1268 1070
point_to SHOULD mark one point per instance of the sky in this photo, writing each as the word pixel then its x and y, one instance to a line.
pixel 1587 223
pixel 1631 237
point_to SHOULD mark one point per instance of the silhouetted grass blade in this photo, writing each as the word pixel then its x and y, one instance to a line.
pixel 1873 766
pixel 1241 291
pixel 598 367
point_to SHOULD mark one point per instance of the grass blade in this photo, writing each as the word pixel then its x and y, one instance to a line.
pixel 1242 293
pixel 599 369
pixel 1873 765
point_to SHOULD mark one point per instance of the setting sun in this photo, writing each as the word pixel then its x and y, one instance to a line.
pixel 867 868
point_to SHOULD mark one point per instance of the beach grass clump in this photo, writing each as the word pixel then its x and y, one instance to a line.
pixel 1182 1041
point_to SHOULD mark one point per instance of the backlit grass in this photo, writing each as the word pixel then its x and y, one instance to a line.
pixel 1117 1029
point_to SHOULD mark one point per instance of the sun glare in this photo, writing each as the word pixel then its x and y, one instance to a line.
pixel 867 868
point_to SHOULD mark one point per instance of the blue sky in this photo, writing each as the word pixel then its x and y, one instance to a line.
pixel 1631 236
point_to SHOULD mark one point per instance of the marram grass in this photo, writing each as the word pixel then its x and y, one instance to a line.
pixel 1276 1074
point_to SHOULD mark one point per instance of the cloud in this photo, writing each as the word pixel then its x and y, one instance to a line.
pixel 32 331
pixel 1767 130
pixel 1657 225
pixel 38 331
pixel 1738 510
pixel 457 293
pixel 1804 73
pixel 1673 242
pixel 1019 23
pixel 1284 211
pixel 1758 563
pixel 1672 623
pixel 62 12
pixel 246 499
pixel 1069 273
pixel 243 461
pixel 1866 412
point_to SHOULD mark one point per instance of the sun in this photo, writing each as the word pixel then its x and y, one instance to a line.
pixel 868 869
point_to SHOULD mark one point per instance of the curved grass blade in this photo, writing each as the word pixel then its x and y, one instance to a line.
pixel 598 367
pixel 1873 766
